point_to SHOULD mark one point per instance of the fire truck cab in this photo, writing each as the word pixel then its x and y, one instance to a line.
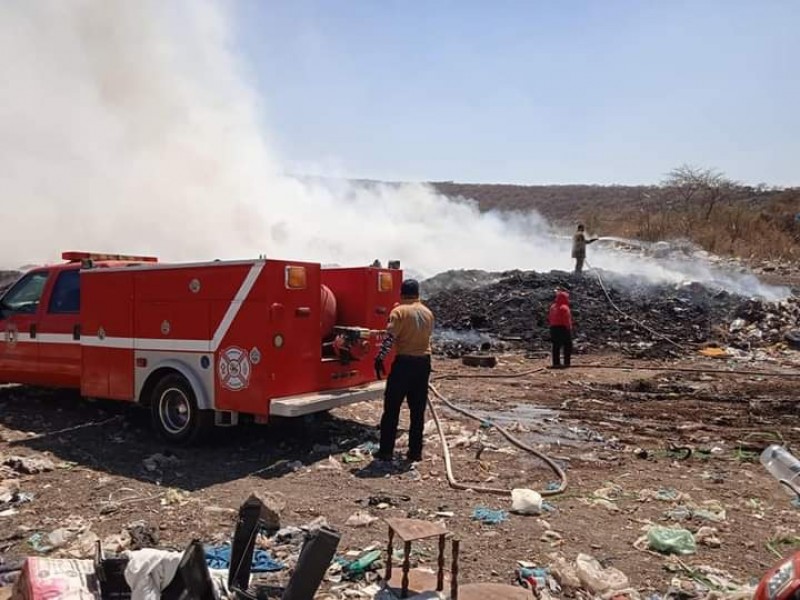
pixel 199 344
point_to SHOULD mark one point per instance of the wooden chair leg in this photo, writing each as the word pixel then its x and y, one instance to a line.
pixel 389 551
pixel 440 574
pixel 406 569
pixel 454 571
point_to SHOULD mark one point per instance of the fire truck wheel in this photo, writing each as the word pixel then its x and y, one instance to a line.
pixel 174 410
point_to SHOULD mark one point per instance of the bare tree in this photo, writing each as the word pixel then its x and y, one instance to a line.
pixel 697 188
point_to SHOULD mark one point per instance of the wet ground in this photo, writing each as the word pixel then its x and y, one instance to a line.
pixel 692 436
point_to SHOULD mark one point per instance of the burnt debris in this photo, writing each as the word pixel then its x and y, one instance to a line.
pixel 510 310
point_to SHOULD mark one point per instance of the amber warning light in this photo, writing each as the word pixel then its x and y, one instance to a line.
pixel 76 256
pixel 385 282
pixel 295 278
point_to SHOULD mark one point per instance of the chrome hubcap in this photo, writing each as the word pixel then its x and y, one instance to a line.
pixel 174 410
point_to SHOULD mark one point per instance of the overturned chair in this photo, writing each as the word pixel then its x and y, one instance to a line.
pixel 315 557
pixel 192 579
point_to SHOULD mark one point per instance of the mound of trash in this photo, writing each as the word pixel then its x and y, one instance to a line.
pixel 7 278
pixel 512 309
pixel 468 279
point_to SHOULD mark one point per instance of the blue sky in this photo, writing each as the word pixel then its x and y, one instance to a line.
pixel 528 92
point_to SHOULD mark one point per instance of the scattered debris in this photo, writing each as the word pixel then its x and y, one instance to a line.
pixel 669 540
pixel 707 536
pixel 384 501
pixel 513 306
pixel 9 489
pixel 84 545
pixel 709 510
pixel 597 579
pixel 29 465
pixel 149 572
pixel 793 338
pixel 551 537
pixel 139 535
pixel 488 516
pixel 330 464
pixel 361 519
pixel 160 462
pixel 57 578
pixel 271 506
pixel 219 557
pixel 536 579
pixel 526 502
pixel 174 497
pixel 705 582
pixel 479 359
pixel 564 572
pixel 356 568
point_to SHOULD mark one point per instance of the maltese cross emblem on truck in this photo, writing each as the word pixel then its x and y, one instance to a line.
pixel 234 369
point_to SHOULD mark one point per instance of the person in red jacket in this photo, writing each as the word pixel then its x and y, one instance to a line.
pixel 560 320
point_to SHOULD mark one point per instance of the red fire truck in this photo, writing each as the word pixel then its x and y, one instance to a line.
pixel 200 344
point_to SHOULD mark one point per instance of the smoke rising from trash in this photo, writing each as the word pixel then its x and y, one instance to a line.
pixel 133 127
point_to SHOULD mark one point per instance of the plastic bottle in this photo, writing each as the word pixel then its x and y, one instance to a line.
pixel 782 465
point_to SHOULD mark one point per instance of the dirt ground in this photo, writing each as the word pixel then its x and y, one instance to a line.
pixel 617 430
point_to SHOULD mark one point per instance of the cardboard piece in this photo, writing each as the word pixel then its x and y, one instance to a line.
pixel 66 579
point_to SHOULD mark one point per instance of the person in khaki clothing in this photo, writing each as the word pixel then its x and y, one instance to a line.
pixel 409 330
pixel 579 243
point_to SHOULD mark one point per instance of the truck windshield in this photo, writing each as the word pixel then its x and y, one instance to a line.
pixel 25 295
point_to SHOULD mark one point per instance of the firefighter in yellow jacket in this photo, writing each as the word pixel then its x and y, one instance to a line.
pixel 409 331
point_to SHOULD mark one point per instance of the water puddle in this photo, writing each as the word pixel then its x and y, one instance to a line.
pixel 536 425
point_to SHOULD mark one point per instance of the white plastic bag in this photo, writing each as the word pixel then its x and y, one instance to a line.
pixel 595 578
pixel 526 502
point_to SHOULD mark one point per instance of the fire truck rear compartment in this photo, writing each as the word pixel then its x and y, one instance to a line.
pixel 245 340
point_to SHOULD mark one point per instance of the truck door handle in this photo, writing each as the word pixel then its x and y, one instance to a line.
pixel 76 332
pixel 33 331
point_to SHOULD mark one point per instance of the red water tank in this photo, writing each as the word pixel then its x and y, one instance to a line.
pixel 327 312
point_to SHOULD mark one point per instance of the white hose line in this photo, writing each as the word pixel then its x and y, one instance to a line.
pixel 454 483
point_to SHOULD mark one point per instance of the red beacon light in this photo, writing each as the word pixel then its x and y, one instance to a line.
pixel 73 256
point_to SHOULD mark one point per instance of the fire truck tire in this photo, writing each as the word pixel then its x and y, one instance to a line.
pixel 174 411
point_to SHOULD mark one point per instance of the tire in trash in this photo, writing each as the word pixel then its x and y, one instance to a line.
pixel 479 360
pixel 793 338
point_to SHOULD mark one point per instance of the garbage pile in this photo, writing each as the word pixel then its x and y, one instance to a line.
pixel 468 279
pixel 512 308
pixel 7 278
pixel 266 558
pixel 757 324
pixel 259 557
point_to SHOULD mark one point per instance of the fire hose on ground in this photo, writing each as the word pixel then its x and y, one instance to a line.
pixel 626 315
pixel 455 484
pixel 562 476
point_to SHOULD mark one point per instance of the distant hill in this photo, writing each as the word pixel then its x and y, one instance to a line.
pixel 750 222
pixel 561 203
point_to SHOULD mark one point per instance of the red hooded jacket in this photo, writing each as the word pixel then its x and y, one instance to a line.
pixel 560 314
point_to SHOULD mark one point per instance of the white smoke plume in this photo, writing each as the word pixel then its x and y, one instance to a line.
pixel 130 126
